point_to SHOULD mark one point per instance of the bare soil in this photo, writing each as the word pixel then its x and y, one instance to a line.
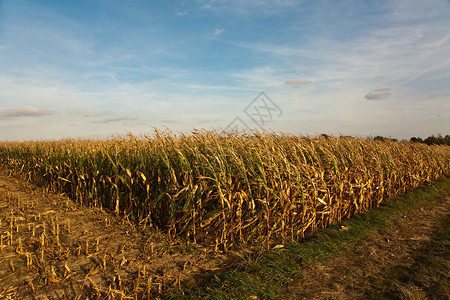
pixel 53 248
pixel 405 261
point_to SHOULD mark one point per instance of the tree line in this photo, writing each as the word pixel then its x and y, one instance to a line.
pixel 431 140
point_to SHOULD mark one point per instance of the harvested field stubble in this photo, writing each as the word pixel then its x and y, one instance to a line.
pixel 52 248
pixel 227 188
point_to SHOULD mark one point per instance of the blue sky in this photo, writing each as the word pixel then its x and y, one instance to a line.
pixel 98 68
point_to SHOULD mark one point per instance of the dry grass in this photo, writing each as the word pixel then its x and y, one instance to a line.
pixel 229 189
pixel 411 292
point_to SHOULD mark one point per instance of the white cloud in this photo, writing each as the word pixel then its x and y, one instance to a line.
pixel 399 54
pixel 261 78
pixel 218 31
pixel 25 111
pixel 181 13
pixel 2 47
pixel 36 90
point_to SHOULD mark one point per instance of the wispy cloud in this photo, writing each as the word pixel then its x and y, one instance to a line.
pixel 181 13
pixel 264 76
pixel 444 95
pixel 268 7
pixel 297 82
pixel 2 47
pixel 379 94
pixel 91 115
pixel 218 31
pixel 25 111
pixel 275 50
pixel 170 121
pixel 208 121
pixel 85 114
pixel 113 119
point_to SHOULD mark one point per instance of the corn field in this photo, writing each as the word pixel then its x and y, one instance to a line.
pixel 229 189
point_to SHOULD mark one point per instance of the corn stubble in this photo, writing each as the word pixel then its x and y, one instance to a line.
pixel 44 243
pixel 229 189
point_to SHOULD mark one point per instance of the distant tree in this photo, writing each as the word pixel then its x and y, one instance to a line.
pixel 433 140
pixel 447 140
pixel 416 140
pixel 436 140
pixel 384 139
pixel 379 138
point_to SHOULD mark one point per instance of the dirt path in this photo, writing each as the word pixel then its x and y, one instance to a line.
pixel 405 261
pixel 52 248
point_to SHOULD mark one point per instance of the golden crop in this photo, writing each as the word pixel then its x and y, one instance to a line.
pixel 229 188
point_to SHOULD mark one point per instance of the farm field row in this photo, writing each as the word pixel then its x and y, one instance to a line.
pixel 53 248
pixel 228 189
